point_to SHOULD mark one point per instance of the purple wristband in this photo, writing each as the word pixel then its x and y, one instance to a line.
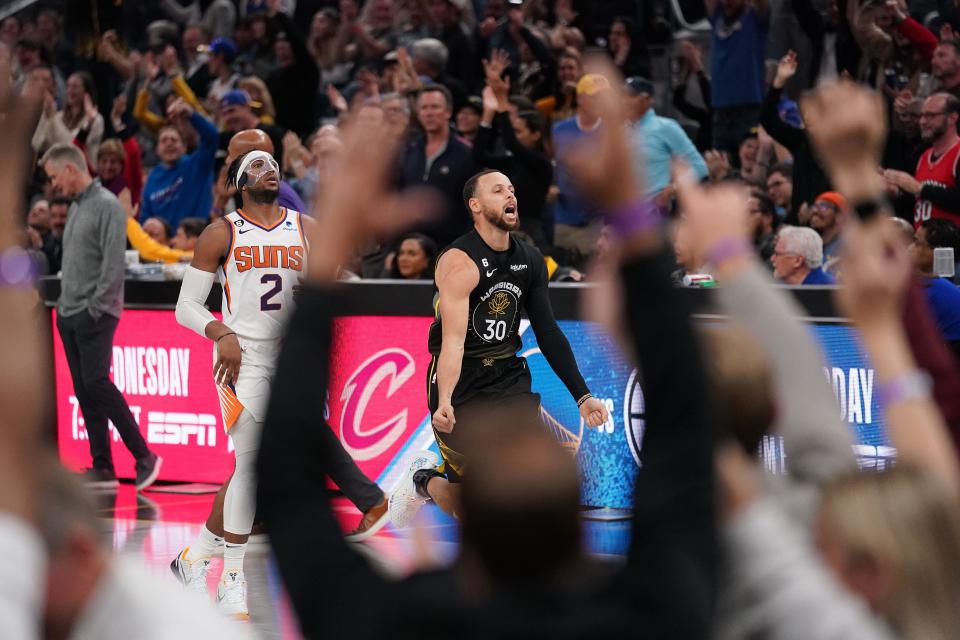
pixel 17 269
pixel 733 247
pixel 913 385
pixel 635 217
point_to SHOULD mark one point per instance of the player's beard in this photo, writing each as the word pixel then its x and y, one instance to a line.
pixel 496 219
pixel 263 196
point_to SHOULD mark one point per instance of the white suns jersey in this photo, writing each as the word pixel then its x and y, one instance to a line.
pixel 258 277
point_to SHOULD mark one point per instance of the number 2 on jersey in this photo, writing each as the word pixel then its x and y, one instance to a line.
pixel 496 329
pixel 265 304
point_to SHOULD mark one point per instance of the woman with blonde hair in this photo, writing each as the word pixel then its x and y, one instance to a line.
pixel 261 100
pixel 894 539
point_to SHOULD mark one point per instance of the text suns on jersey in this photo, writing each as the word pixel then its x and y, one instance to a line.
pixel 268 257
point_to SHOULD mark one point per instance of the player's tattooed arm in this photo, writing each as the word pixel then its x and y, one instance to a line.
pixel 457 275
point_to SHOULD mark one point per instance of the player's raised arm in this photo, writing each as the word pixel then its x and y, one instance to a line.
pixel 212 247
pixel 457 275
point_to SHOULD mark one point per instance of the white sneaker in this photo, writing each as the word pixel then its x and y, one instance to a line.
pixel 404 502
pixel 232 595
pixel 192 575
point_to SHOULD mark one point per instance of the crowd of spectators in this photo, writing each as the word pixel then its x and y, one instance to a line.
pixel 157 97
pixel 154 94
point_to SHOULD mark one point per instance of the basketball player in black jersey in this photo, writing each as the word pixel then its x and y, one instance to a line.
pixel 484 280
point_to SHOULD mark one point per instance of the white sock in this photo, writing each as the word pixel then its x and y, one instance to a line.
pixel 233 557
pixel 204 547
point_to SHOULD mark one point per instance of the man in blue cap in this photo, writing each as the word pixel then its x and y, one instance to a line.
pixel 236 115
pixel 222 52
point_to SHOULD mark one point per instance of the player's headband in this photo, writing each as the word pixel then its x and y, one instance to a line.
pixel 254 166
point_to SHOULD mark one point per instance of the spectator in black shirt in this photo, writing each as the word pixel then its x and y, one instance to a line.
pixel 292 84
pixel 831 41
pixel 763 225
pixel 691 60
pixel 468 118
pixel 626 48
pixel 510 36
pixel 443 23
pixel 441 161
pixel 196 72
pixel 809 179
pixel 525 161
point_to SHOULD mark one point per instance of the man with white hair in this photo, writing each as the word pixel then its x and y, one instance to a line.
pixel 88 312
pixel 798 257
pixel 429 57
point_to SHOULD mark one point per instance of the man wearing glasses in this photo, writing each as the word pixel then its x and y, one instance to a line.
pixel 935 183
pixel 827 217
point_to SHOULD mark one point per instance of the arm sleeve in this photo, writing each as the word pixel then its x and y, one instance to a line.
pixel 113 244
pixel 292 490
pixel 681 146
pixel 151 250
pixel 192 312
pixel 777 128
pixel 142 113
pixel 671 562
pixel 183 90
pixel 919 36
pixel 553 344
pixel 819 447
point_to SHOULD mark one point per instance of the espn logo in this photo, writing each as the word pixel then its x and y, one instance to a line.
pixel 178 428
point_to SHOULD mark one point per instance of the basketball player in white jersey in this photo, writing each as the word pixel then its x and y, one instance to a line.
pixel 259 254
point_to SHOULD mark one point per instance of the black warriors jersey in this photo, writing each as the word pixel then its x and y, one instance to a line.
pixel 506 278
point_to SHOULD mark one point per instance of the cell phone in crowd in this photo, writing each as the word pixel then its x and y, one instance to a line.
pixel 944 265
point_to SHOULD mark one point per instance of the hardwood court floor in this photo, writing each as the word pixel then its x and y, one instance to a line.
pixel 153 527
